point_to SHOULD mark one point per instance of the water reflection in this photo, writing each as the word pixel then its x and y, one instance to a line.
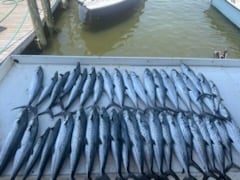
pixel 103 38
pixel 223 26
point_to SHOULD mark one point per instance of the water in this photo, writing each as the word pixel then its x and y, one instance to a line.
pixel 167 28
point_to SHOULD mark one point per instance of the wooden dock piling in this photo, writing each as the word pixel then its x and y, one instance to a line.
pixel 48 15
pixel 38 26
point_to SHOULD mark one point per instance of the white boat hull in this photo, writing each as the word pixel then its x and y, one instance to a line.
pixel 229 10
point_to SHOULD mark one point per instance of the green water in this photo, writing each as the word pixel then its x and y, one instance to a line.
pixel 167 28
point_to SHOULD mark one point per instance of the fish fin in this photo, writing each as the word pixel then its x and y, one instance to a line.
pixel 99 141
pixel 20 107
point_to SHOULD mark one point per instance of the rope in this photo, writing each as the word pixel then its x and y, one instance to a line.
pixel 15 3
pixel 9 2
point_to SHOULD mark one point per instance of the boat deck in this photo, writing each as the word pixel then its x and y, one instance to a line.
pixel 16 29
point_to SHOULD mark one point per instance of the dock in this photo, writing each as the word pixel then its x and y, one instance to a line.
pixel 16 28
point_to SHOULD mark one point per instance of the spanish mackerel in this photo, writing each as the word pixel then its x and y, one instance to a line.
pixel 139 88
pixel 136 139
pixel 182 89
pixel 48 148
pixel 130 88
pixel 78 140
pixel 105 140
pixel 71 80
pixel 36 86
pixel 92 136
pixel 48 89
pixel 13 140
pixel 98 88
pixel 77 89
pixel 26 146
pixel 63 145
pixel 149 87
pixel 119 89
pixel 160 89
pixel 192 76
pixel 148 143
pixel 170 89
pixel 179 146
pixel 116 144
pixel 88 87
pixel 126 144
pixel 37 151
pixel 107 84
pixel 157 138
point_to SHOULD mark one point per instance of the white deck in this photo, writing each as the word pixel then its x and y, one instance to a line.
pixel 16 77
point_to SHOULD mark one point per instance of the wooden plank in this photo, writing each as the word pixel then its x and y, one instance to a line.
pixel 17 27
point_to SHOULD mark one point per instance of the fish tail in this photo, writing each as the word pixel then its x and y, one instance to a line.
pixel 71 176
pixel 48 111
pixel 172 174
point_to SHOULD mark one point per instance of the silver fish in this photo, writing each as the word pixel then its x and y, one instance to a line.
pixel 217 145
pixel 157 137
pixel 160 89
pixel 179 145
pixel 88 87
pixel 116 140
pixel 26 147
pixel 36 85
pixel 130 88
pixel 105 138
pixel 193 93
pixel 226 141
pixel 168 146
pixel 62 145
pixel 205 134
pixel 217 100
pixel 71 80
pixel 192 76
pixel 148 143
pixel 37 151
pixel 199 145
pixel 48 148
pixel 56 92
pixel 149 87
pixel 78 140
pixel 234 133
pixel 181 88
pixel 48 89
pixel 207 96
pixel 98 88
pixel 77 89
pixel 92 136
pixel 107 84
pixel 126 144
pixel 13 140
pixel 171 90
pixel 139 88
pixel 136 139
pixel 119 89
pixel 185 129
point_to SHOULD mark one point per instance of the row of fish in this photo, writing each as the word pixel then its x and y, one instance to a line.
pixel 151 138
pixel 177 91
